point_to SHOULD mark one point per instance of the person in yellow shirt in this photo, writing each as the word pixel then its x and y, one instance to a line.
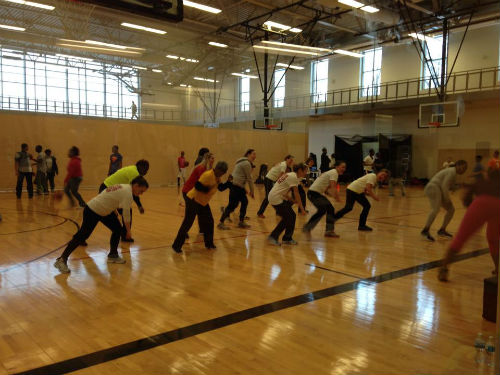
pixel 197 205
pixel 126 175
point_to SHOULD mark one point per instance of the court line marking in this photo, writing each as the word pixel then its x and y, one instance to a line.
pixel 34 230
pixel 330 270
pixel 140 345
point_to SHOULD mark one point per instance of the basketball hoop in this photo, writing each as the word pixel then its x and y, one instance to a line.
pixel 271 126
pixel 434 124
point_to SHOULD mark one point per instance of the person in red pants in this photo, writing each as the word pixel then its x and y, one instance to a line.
pixel 485 208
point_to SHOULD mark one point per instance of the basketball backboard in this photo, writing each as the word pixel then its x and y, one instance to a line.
pixel 444 114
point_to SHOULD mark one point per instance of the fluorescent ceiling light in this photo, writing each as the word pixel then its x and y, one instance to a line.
pixel 280 26
pixel 118 46
pixel 73 57
pixel 144 28
pixel 8 27
pixel 348 53
pixel 31 4
pixel 297 46
pixel 428 39
pixel 296 67
pixel 352 3
pixel 370 9
pixel 205 79
pixel 192 60
pixel 244 75
pixel 173 57
pixel 215 44
pixel 157 70
pixel 206 8
pixel 98 48
pixel 294 51
pixel 139 67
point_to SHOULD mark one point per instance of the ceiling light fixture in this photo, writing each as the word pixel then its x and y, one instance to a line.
pixel 352 3
pixel 32 4
pixel 369 9
pixel 73 57
pixel 139 67
pixel 157 70
pixel 206 8
pixel 244 75
pixel 215 44
pixel 144 28
pixel 98 48
pixel 183 85
pixel 296 67
pixel 15 28
pixel 118 46
pixel 427 39
pixel 294 51
pixel 348 53
pixel 271 24
pixel 205 79
pixel 297 46
pixel 174 57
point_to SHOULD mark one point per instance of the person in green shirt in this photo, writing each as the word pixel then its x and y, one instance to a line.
pixel 125 175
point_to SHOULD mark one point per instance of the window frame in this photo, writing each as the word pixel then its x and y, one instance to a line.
pixel 279 86
pixel 427 83
pixel 318 97
pixel 369 90
pixel 244 105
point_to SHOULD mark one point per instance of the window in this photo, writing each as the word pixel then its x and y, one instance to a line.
pixel 371 65
pixel 244 94
pixel 319 81
pixel 279 88
pixel 431 71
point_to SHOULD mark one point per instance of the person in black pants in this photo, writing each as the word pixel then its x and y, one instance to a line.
pixel 52 168
pixel 325 161
pixel 356 192
pixel 22 166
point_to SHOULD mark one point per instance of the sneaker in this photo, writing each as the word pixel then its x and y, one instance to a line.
pixel 124 239
pixel 247 218
pixel 229 220
pixel 261 216
pixel 221 226
pixel 178 251
pixel 116 259
pixel 273 241
pixel 443 274
pixel 290 242
pixel 427 236
pixel 365 228
pixel 332 234
pixel 61 266
pixel 444 233
pixel 211 247
pixel 243 225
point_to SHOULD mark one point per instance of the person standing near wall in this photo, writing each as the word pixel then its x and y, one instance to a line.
pixel 478 170
pixel 494 162
pixel 181 165
pixel 115 160
pixel 368 162
pixel 438 193
pixel 325 161
pixel 74 177
pixel 201 154
pixel 52 168
pixel 22 167
pixel 133 107
pixel 41 172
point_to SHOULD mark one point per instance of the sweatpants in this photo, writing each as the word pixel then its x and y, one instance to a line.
pixel 29 183
pixel 90 220
pixel 287 223
pixel 323 207
pixel 205 219
pixel 41 182
pixel 236 195
pixel 435 195
pixel 268 185
pixel 396 182
pixel 71 187
pixel 50 180
pixel 352 197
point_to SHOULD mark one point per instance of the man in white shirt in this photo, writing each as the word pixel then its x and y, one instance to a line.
pixel 327 182
pixel 437 190
pixel 280 198
pixel 102 208
pixel 356 192
pixel 368 162
pixel 274 173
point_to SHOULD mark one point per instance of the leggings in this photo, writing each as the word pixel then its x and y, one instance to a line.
pixel 484 209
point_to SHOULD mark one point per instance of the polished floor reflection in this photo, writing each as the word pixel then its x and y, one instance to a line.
pixel 319 307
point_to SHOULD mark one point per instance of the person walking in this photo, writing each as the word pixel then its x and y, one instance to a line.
pixel 52 168
pixel 74 177
pixel 115 160
pixel 368 162
pixel 133 108
pixel 325 161
pixel 181 164
pixel 23 169
pixel 41 172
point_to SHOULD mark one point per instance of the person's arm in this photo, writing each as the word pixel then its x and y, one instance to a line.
pixel 202 188
pixel 137 201
pixel 16 167
pixel 297 200
pixel 447 185
pixel 369 191
pixel 248 176
pixel 55 168
pixel 332 190
pixel 127 218
pixel 109 167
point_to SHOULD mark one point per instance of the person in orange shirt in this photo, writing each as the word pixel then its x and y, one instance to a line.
pixel 494 162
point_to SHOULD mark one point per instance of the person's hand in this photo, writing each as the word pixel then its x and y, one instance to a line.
pixel 141 210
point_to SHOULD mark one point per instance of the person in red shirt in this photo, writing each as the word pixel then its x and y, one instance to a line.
pixel 205 165
pixel 494 162
pixel 182 164
pixel 74 177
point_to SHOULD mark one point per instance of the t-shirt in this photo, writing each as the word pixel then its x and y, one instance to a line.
pixel 276 171
pixel 122 176
pixel 208 179
pixel 195 175
pixel 359 185
pixel 23 158
pixel 40 163
pixel 116 160
pixel 494 163
pixel 321 184
pixel 478 168
pixel 181 161
pixel 281 187
pixel 49 163
pixel 445 179
pixel 112 198
pixel 368 160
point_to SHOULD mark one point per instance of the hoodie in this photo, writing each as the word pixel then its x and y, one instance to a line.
pixel 242 173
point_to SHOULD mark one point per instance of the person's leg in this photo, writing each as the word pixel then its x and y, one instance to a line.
pixel 111 221
pixel 243 207
pixel 349 204
pixel 363 201
pixel 187 223
pixel 29 184
pixel 318 200
pixel 38 182
pixel 450 210
pixel 280 227
pixel 268 185
pixel 19 184
pixel 434 194
pixel 74 185
pixel 233 203
pixel 50 178
pixel 289 217
pixel 402 186
pixel 302 194
pixel 44 183
pixel 493 236
pixel 391 186
pixel 206 225
pixel 330 218
pixel 67 191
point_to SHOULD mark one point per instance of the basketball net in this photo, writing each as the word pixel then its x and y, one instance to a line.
pixel 433 127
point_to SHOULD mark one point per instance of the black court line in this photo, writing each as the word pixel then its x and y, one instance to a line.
pixel 137 346
pixel 330 270
pixel 37 229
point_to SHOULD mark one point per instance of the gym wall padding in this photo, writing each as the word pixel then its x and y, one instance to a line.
pixel 159 143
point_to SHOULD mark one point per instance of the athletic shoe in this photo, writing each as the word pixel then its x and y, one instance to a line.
pixel 443 274
pixel 243 225
pixel 444 233
pixel 116 259
pixel 365 228
pixel 61 266
pixel 211 247
pixel 229 220
pixel 221 226
pixel 331 233
pixel 124 239
pixel 178 251
pixel 427 236
pixel 273 241
pixel 261 216
pixel 290 242
pixel 247 218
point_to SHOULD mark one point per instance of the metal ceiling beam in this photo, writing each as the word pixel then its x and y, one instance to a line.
pixel 410 4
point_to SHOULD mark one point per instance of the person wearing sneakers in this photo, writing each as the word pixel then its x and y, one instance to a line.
pixel 357 191
pixel 102 208
pixel 125 175
pixel 242 174
pixel 438 192
pixel 325 183
pixel 197 205
pixel 274 173
pixel 280 198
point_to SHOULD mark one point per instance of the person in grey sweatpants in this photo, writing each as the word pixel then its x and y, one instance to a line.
pixel 437 190
pixel 242 174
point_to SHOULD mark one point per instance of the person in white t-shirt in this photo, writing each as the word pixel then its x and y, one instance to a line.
pixel 280 198
pixel 356 192
pixel 368 162
pixel 274 173
pixel 103 208
pixel 327 182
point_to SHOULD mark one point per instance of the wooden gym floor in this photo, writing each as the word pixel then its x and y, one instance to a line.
pixel 366 303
